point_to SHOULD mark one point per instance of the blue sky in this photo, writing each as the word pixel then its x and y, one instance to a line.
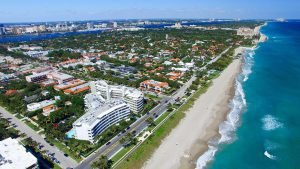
pixel 58 10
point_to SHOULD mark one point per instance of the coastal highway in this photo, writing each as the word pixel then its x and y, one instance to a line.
pixel 65 162
pixel 215 59
pixel 141 124
pixel 114 145
pixel 138 126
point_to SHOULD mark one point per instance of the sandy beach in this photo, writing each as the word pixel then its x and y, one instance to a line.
pixel 189 139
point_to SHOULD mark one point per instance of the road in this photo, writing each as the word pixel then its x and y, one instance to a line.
pixel 141 124
pixel 22 127
pixel 215 59
pixel 138 126
pixel 114 146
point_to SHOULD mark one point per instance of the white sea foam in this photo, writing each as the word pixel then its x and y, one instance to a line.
pixel 227 128
pixel 206 157
pixel 271 123
pixel 270 156
pixel 247 68
pixel 270 146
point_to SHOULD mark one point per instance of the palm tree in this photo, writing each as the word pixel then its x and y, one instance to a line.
pixel 150 121
pixel 102 163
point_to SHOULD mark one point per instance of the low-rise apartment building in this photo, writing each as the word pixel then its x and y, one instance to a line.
pixel 14 156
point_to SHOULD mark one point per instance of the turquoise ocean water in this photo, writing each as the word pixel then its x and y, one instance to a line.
pixel 262 131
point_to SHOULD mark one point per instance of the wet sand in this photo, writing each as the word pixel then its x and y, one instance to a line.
pixel 189 139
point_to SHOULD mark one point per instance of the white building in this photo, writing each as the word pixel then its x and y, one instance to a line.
pixel 100 114
pixel 14 156
pixel 39 105
pixel 4 77
pixel 36 54
pixel 106 106
pixel 189 65
pixel 42 104
pixel 168 63
pixel 2 29
pixel 60 77
pixel 248 32
pixel 177 25
pixel 89 26
pixel 44 74
pixel 133 97
pixel 181 69
pixel 37 77
pixel 115 24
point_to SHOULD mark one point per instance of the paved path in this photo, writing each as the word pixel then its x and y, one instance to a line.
pixel 22 127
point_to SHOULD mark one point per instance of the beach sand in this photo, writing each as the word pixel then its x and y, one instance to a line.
pixel 189 139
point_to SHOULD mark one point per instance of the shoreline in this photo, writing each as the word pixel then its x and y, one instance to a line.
pixel 191 137
pixel 202 138
pixel 212 131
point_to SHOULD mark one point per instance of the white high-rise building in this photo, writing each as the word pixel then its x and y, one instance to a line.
pixel 2 29
pixel 89 25
pixel 115 24
pixel 100 114
pixel 106 106
pixel 133 97
pixel 178 25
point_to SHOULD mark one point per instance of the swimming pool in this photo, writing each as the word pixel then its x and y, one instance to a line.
pixel 71 134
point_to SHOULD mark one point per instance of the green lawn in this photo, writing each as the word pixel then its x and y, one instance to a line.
pixel 42 132
pixel 137 158
pixel 153 97
pixel 34 127
pixel 56 166
pixel 161 118
pixel 19 116
pixel 120 154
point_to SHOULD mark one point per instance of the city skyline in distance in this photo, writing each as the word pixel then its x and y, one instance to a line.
pixel 36 11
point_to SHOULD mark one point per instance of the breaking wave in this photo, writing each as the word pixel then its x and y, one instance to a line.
pixel 270 156
pixel 271 123
pixel 269 147
pixel 238 104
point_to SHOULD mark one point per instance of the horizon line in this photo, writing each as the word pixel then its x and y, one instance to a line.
pixel 120 19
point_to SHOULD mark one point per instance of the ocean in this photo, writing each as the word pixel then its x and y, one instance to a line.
pixel 262 131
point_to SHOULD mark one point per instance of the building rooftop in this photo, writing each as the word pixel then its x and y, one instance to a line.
pixel 128 91
pixel 38 74
pixel 69 84
pixel 13 155
pixel 132 92
pixel 59 75
pixel 155 83
pixel 78 89
pixel 96 107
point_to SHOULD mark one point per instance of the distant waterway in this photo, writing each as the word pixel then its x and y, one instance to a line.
pixel 44 36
